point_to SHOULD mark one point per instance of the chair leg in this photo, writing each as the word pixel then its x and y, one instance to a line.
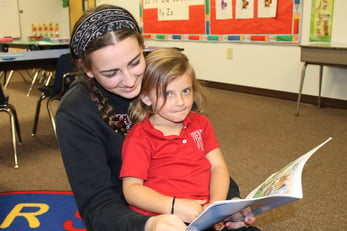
pixel 49 77
pixel 16 123
pixel 13 133
pixel 51 113
pixel 22 75
pixel 37 114
pixel 14 127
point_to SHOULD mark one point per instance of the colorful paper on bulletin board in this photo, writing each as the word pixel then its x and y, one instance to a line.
pixel 209 21
pixel 321 20
pixel 65 3
pixel 164 18
pixel 281 24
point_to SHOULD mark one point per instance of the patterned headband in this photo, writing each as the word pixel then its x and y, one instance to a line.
pixel 98 24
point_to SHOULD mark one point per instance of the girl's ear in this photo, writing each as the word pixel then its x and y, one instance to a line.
pixel 146 100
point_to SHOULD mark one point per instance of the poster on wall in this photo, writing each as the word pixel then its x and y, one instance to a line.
pixel 321 20
pixel 275 21
pixel 173 17
pixel 244 9
pixel 224 9
pixel 267 9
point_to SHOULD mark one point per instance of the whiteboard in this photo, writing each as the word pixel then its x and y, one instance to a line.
pixel 9 19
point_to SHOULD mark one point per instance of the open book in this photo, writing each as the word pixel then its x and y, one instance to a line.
pixel 280 188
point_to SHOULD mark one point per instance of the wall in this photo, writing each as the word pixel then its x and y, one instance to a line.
pixel 276 67
pixel 43 11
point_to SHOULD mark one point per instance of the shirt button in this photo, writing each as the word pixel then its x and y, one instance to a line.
pixel 184 141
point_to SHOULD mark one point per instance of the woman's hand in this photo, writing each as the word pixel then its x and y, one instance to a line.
pixel 165 222
pixel 244 218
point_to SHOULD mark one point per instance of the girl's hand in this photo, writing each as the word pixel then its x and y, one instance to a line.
pixel 165 222
pixel 188 209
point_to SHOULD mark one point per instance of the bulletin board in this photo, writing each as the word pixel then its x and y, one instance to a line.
pixel 263 21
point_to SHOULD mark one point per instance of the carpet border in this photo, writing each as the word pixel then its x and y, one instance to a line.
pixel 37 192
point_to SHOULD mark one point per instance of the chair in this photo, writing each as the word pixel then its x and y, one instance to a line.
pixel 15 130
pixel 64 75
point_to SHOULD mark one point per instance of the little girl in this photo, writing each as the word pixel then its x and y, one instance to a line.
pixel 172 162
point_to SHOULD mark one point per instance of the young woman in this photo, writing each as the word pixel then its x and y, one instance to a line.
pixel 106 45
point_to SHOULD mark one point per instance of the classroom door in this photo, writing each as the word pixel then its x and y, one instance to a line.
pixel 76 8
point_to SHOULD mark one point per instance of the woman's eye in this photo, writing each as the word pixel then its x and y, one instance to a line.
pixel 168 93
pixel 109 74
pixel 135 62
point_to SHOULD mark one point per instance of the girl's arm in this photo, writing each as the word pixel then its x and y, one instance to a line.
pixel 220 178
pixel 144 197
pixel 148 199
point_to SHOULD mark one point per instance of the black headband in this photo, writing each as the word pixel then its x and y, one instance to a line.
pixel 100 23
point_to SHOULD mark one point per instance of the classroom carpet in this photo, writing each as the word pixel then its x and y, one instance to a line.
pixel 40 211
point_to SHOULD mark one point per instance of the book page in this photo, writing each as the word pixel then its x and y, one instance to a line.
pixel 286 181
pixel 280 188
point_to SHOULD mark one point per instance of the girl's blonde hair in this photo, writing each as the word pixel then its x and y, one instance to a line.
pixel 163 66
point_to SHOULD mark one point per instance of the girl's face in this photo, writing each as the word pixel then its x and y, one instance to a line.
pixel 179 101
pixel 119 68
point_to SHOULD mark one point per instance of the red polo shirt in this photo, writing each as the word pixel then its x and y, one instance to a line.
pixel 173 165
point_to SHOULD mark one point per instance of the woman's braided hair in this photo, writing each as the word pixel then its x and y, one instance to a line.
pixel 107 112
pixel 119 33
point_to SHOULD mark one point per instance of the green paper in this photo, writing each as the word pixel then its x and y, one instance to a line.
pixel 321 20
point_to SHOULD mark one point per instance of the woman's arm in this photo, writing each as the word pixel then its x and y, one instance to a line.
pixel 89 150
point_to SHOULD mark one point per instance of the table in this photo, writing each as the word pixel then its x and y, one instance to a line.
pixel 32 45
pixel 323 55
pixel 43 59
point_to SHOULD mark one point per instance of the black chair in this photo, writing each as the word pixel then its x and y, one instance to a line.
pixel 15 130
pixel 64 75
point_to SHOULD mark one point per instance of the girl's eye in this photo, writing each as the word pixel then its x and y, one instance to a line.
pixel 187 91
pixel 168 93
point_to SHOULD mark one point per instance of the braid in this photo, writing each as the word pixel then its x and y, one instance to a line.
pixel 106 110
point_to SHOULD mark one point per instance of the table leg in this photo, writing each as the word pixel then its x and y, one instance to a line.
pixel 8 79
pixel 33 82
pixel 300 87
pixel 320 84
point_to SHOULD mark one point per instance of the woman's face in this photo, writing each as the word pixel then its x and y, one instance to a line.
pixel 119 68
